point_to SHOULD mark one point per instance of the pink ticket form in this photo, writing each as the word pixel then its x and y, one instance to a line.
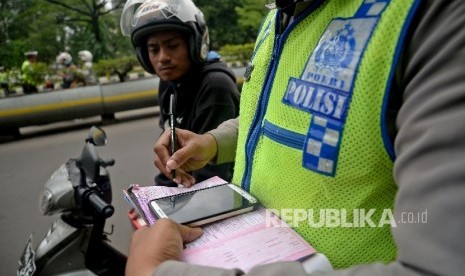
pixel 245 241
pixel 242 241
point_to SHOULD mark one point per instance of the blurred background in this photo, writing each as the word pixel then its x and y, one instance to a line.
pixel 51 27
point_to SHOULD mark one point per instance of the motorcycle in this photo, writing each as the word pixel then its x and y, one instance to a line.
pixel 76 243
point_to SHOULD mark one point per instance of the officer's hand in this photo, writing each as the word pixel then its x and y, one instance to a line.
pixel 194 152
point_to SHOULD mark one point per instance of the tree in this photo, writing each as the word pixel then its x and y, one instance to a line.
pixel 222 22
pixel 90 24
pixel 14 16
pixel 250 16
pixel 120 67
pixel 51 26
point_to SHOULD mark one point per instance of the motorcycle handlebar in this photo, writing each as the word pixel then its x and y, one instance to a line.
pixel 106 163
pixel 99 205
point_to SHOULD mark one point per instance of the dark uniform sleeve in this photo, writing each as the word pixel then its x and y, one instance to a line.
pixel 430 147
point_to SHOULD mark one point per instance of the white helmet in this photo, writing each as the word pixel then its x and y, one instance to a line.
pixel 64 58
pixel 143 17
pixel 31 53
pixel 85 55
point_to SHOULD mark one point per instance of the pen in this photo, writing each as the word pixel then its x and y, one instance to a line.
pixel 172 127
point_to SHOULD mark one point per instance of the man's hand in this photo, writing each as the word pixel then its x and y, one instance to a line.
pixel 161 242
pixel 194 152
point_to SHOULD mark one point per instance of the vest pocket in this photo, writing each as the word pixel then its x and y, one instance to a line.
pixel 283 136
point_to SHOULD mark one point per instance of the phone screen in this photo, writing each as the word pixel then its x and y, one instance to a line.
pixel 204 206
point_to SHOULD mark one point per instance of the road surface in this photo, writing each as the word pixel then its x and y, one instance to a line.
pixel 26 164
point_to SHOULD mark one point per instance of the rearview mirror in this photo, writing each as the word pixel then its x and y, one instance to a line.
pixel 97 136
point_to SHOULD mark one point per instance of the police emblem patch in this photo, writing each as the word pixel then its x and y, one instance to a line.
pixel 325 87
pixel 335 54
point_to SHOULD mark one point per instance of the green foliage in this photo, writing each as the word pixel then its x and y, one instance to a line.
pixel 236 53
pixel 120 66
pixel 250 16
pixel 222 22
pixel 16 26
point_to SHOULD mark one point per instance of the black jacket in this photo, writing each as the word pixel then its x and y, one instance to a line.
pixel 205 97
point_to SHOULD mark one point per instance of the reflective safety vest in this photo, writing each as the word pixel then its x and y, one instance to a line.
pixel 3 77
pixel 26 71
pixel 313 145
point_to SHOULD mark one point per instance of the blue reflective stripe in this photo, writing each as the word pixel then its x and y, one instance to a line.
pixel 254 131
pixel 372 8
pixel 265 35
pixel 388 144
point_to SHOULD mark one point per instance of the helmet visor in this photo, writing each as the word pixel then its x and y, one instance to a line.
pixel 138 13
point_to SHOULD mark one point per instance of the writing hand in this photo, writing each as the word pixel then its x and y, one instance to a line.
pixel 194 152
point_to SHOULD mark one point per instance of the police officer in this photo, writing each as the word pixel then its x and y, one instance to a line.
pixel 351 105
pixel 29 82
pixel 4 81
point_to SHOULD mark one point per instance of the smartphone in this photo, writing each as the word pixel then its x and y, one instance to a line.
pixel 204 206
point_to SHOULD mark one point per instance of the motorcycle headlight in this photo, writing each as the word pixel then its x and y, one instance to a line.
pixel 58 193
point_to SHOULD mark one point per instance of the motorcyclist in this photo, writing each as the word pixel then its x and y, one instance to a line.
pixel 171 40
pixel 86 68
pixel 68 71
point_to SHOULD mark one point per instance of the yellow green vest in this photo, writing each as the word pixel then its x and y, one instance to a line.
pixel 3 77
pixel 26 72
pixel 313 140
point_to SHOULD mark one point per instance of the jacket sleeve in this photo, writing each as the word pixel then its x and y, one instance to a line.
pixel 226 140
pixel 430 144
pixel 217 101
pixel 163 102
pixel 430 147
